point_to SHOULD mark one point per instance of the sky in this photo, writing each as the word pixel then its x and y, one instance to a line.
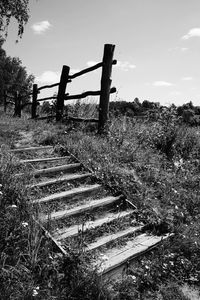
pixel 157 46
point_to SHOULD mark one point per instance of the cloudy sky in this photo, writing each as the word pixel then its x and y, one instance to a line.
pixel 157 45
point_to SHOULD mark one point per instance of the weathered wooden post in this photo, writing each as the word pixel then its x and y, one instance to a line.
pixel 34 102
pixel 105 87
pixel 18 100
pixel 61 92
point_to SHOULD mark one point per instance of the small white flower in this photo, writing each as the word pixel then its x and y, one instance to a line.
pixel 104 257
pixel 24 224
pixel 132 277
pixel 1 193
pixel 0 186
pixel 12 206
pixel 35 293
pixel 176 164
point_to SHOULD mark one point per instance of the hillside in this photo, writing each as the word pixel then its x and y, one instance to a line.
pixel 154 162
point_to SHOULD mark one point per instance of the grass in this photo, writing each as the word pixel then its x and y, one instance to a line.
pixel 155 164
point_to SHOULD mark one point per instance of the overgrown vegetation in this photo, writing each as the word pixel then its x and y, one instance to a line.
pixel 155 163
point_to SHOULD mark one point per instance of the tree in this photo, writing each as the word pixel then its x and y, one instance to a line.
pixel 17 9
pixel 13 76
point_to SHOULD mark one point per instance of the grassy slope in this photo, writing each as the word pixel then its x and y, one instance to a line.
pixel 164 184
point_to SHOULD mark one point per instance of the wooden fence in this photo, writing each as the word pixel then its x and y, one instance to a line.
pixel 62 96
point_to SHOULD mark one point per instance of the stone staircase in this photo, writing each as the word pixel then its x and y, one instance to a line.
pixel 78 211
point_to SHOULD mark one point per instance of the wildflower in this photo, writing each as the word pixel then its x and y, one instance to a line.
pixel 175 191
pixel 104 257
pixel 178 163
pixel 24 224
pixel 35 291
pixel 132 277
pixel 1 193
pixel 0 186
pixel 12 206
pixel 171 254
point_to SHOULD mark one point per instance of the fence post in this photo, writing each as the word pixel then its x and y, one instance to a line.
pixel 34 102
pixel 61 93
pixel 18 98
pixel 105 87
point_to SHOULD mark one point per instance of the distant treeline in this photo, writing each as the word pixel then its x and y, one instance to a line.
pixel 190 114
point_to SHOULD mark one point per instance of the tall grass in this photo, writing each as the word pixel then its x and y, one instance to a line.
pixel 30 265
pixel 155 164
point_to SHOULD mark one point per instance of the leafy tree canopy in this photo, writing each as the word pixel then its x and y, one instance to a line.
pixel 17 9
pixel 13 76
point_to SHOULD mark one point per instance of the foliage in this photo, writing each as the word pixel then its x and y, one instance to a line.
pixel 165 188
pixel 29 268
pixel 13 76
pixel 17 9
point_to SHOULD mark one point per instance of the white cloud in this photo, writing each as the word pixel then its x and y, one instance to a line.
pixel 162 83
pixel 125 65
pixel 175 93
pixel 41 27
pixel 73 71
pixel 184 49
pixel 188 78
pixel 48 77
pixel 194 32
pixel 91 63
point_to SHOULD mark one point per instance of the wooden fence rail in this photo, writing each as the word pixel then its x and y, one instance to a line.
pixel 62 96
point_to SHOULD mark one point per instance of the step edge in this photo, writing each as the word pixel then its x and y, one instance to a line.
pixel 56 168
pixel 110 238
pixel 60 236
pixel 60 179
pixel 46 159
pixel 65 194
pixel 84 208
pixel 131 257
pixel 31 148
